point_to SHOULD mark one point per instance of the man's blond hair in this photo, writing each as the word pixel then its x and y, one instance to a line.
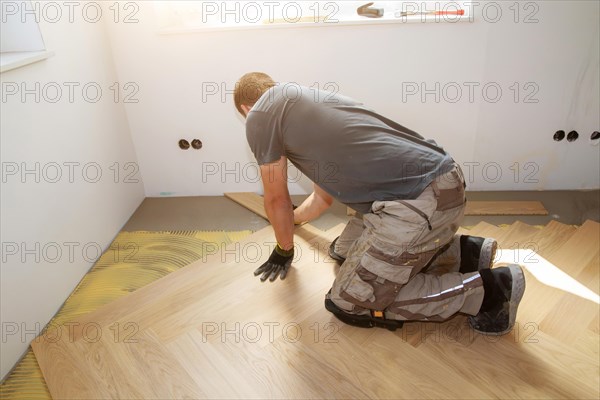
pixel 249 89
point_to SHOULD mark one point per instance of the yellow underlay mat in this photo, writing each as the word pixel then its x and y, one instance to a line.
pixel 133 260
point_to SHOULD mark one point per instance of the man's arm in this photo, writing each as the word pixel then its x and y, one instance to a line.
pixel 278 204
pixel 313 206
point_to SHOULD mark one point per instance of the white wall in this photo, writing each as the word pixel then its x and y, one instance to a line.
pixel 52 215
pixel 558 55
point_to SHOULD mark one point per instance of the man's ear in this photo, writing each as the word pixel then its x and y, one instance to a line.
pixel 246 109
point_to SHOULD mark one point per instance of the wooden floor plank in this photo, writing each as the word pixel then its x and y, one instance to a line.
pixel 208 370
pixel 251 201
pixel 65 370
pixel 559 295
pixel 590 275
pixel 576 253
pixel 527 365
pixel 403 377
pixel 185 289
pixel 212 330
pixel 572 310
pixel 542 299
pixel 515 238
pixel 484 229
pixel 587 342
pixel 242 370
pixel 505 208
pixel 240 257
pixel 551 237
pixel 519 234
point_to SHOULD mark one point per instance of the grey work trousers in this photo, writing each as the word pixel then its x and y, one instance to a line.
pixel 401 259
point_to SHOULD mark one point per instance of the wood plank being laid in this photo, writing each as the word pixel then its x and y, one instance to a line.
pixel 251 201
pixel 505 208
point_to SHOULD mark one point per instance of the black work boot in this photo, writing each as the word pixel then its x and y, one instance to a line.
pixel 476 253
pixel 504 288
pixel 333 254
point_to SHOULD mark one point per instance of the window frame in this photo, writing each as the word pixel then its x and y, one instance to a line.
pixel 162 8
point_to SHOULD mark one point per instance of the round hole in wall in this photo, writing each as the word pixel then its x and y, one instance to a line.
pixel 572 136
pixel 184 144
pixel 595 138
pixel 559 135
pixel 197 144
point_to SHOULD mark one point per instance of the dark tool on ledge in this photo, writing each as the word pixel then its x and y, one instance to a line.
pixel 365 11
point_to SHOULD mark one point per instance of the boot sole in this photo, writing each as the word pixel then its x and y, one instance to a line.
pixel 361 321
pixel 333 254
pixel 516 294
pixel 487 254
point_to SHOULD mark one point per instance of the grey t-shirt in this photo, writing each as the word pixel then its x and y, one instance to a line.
pixel 351 152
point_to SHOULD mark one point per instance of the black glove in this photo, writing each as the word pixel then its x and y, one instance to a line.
pixel 278 264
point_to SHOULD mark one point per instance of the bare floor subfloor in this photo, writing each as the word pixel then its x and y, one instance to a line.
pixel 220 213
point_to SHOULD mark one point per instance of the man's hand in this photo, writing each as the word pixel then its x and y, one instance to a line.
pixel 278 264
pixel 313 206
